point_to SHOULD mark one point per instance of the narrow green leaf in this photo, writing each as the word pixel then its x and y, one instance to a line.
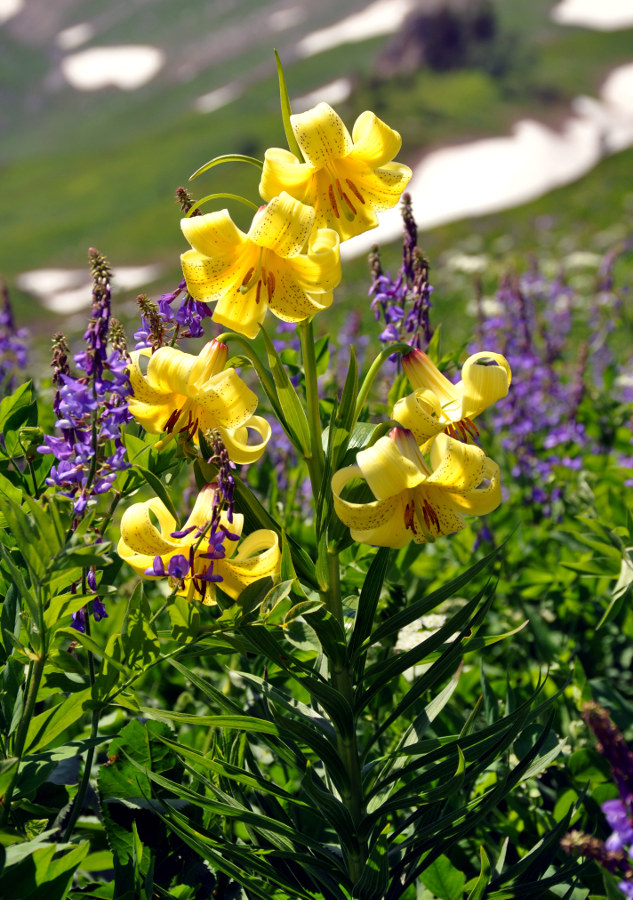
pixel 160 490
pixel 368 600
pixel 227 157
pixel 484 877
pixel 238 723
pixel 286 112
pixel 221 196
pixel 294 418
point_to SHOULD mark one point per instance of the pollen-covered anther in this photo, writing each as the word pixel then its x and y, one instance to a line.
pixel 270 285
pixel 355 191
pixel 333 201
pixel 431 518
pixel 409 516
pixel 345 198
pixel 170 424
pixel 471 428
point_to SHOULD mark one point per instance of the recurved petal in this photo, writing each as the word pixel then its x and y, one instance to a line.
pixel 319 270
pixel 387 471
pixel 420 412
pixel 139 533
pixel 283 172
pixel 483 385
pixel 383 519
pixel 237 442
pixel 283 225
pixel 374 142
pixel 383 187
pixel 226 401
pixel 456 466
pixel 140 562
pixel 258 557
pixel 214 234
pixel 321 135
pixel 210 279
pixel 485 497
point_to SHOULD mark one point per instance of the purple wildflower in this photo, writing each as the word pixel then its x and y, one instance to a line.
pixel 12 344
pixel 403 303
pixel 91 409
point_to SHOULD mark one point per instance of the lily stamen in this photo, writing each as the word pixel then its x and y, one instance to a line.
pixel 355 191
pixel 333 201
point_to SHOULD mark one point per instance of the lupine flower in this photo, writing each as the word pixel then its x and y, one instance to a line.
pixel 92 408
pixel 437 404
pixel 246 274
pixel 415 502
pixel 403 303
pixel 347 180
pixel 204 552
pixel 181 393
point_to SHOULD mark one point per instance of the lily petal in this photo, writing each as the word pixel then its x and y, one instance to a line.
pixel 258 557
pixel 375 143
pixel 456 465
pixel 386 470
pixel 321 135
pixel 283 226
pixel 140 534
pixel 483 385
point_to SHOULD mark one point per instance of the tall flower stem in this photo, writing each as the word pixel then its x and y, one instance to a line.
pixel 340 672
pixel 316 461
pixel 94 727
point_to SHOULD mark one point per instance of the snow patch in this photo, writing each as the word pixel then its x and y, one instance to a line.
pixel 335 92
pixel 606 15
pixel 67 291
pixel 489 175
pixel 75 36
pixel 216 99
pixel 127 67
pixel 9 9
pixel 380 17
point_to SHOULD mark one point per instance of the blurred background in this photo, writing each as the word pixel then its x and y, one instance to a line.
pixel 516 117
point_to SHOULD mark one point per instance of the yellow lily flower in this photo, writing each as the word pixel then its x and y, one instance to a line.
pixel 438 405
pixel 415 502
pixel 346 179
pixel 204 553
pixel 181 393
pixel 246 274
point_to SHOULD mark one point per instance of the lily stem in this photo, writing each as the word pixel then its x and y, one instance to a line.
pixel 316 461
pixel 94 727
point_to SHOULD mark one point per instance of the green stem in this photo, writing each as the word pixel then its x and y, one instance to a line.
pixel 35 675
pixel 94 727
pixel 260 368
pixel 316 461
pixel 341 679
pixel 373 370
